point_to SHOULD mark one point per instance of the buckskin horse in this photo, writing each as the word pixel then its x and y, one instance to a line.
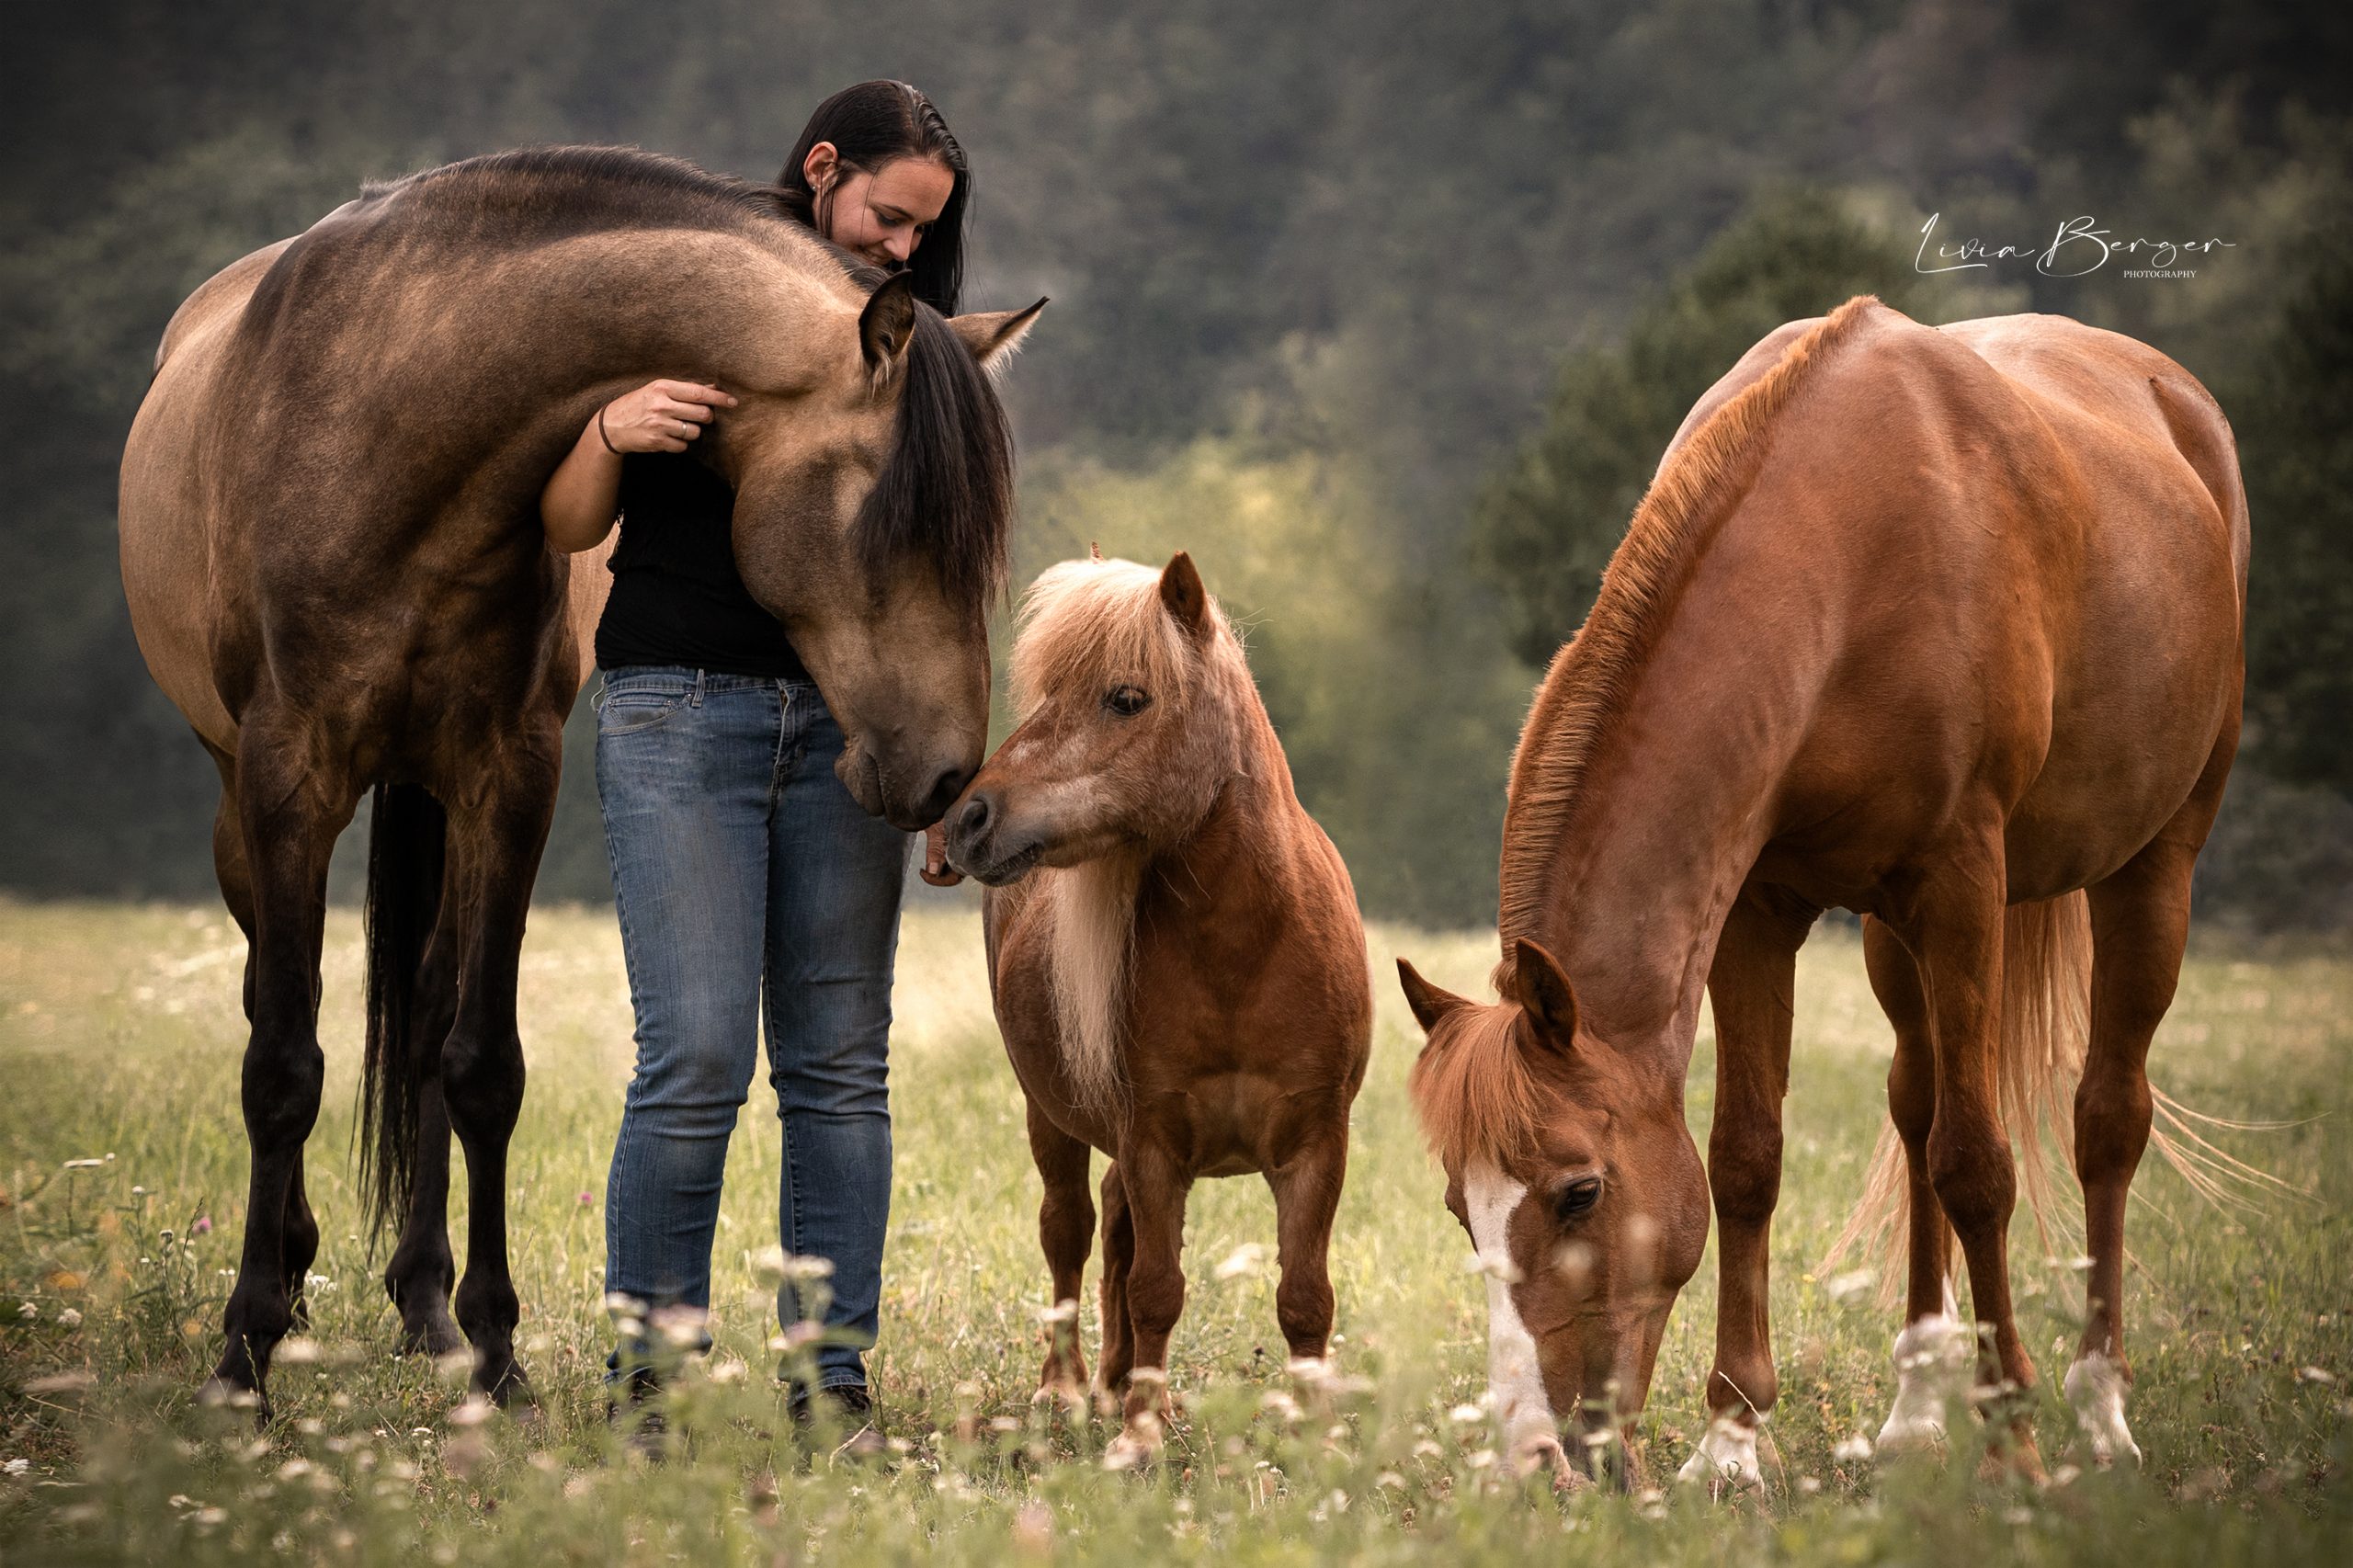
pixel 1943 626
pixel 335 569
pixel 1177 960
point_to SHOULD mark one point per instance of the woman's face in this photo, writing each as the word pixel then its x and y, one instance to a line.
pixel 882 216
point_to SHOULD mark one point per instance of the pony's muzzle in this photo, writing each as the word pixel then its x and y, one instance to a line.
pixel 973 846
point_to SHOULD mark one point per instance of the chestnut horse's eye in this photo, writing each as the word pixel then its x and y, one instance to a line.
pixel 1127 701
pixel 1577 1199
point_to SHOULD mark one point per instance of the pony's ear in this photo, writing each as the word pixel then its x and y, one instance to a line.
pixel 1430 1003
pixel 888 323
pixel 1180 590
pixel 993 335
pixel 1542 992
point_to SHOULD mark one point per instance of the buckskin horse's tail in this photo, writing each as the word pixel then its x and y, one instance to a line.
pixel 2046 1018
pixel 405 833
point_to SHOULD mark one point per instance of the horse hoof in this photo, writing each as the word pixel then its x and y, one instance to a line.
pixel 435 1336
pixel 509 1389
pixel 222 1391
pixel 1063 1395
pixel 1725 1460
pixel 1132 1449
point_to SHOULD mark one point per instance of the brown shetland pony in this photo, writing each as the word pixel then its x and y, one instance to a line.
pixel 1941 625
pixel 332 553
pixel 1178 967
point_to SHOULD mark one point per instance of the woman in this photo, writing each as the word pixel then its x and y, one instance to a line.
pixel 743 869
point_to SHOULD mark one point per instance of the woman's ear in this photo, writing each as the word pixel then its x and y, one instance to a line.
pixel 822 166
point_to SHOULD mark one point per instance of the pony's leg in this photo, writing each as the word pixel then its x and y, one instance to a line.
pixel 496 830
pixel 301 1247
pixel 419 1277
pixel 1307 1195
pixel 1157 1186
pixel 1119 1253
pixel 1931 1317
pixel 288 818
pixel 1066 1232
pixel 1957 938
pixel 2139 924
pixel 1752 985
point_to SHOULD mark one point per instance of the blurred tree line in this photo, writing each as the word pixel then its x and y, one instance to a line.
pixel 1384 313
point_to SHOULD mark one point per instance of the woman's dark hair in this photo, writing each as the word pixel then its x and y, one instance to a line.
pixel 870 125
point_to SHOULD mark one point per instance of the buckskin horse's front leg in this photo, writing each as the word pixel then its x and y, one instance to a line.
pixel 498 824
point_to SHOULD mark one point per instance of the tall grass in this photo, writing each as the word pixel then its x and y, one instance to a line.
pixel 119 1037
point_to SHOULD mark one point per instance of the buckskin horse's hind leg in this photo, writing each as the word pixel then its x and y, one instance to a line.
pixel 497 826
pixel 301 1243
pixel 289 818
pixel 1751 986
pixel 1066 1232
pixel 419 1277
pixel 2139 924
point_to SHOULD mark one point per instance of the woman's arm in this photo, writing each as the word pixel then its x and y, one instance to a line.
pixel 576 508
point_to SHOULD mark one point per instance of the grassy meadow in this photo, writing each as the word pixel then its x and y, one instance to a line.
pixel 121 1188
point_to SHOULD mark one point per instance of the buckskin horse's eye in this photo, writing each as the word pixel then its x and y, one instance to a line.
pixel 1577 1199
pixel 1127 701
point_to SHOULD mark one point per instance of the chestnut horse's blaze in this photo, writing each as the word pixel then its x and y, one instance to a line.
pixel 1174 952
pixel 1943 626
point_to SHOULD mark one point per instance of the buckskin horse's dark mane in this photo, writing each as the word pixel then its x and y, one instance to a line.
pixel 946 494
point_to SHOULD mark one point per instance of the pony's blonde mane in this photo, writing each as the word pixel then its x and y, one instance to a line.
pixel 1091 625
pixel 1473 1091
pixel 1591 677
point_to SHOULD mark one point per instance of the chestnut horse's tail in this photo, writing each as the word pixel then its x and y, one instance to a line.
pixel 405 832
pixel 2046 1027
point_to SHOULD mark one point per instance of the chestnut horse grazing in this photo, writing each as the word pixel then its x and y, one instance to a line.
pixel 335 567
pixel 1179 968
pixel 1937 625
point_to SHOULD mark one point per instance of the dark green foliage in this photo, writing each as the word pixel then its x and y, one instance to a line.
pixel 2296 444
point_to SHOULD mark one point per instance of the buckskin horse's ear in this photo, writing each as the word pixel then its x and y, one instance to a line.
pixel 993 335
pixel 888 323
pixel 1430 1003
pixel 1181 592
pixel 1542 992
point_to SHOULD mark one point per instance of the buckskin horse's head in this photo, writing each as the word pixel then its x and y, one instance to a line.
pixel 873 500
pixel 1570 1165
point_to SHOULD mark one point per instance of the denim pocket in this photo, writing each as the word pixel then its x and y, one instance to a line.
pixel 639 702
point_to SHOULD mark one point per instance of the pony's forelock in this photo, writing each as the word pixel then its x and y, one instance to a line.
pixel 1088 623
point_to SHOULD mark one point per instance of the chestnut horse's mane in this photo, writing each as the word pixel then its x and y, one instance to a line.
pixel 1592 675
pixel 1471 1085
pixel 1097 623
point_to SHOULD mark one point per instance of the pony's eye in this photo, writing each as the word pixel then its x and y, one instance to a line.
pixel 1127 701
pixel 1577 1199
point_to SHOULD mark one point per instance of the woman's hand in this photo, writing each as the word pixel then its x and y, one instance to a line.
pixel 576 508
pixel 660 417
pixel 936 869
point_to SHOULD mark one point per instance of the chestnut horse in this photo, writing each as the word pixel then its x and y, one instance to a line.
pixel 1937 625
pixel 1178 967
pixel 332 553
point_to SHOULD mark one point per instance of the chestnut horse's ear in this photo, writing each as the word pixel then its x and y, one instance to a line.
pixel 888 323
pixel 993 335
pixel 1430 1003
pixel 1542 992
pixel 1181 591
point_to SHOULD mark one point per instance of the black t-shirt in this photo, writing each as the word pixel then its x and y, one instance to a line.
pixel 677 598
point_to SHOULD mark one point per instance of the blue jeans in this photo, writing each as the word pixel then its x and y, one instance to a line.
pixel 744 872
